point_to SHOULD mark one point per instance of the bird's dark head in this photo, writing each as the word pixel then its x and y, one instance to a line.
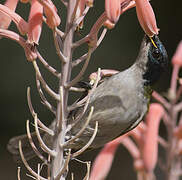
pixel 152 59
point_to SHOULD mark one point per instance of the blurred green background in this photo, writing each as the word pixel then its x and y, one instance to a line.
pixel 118 51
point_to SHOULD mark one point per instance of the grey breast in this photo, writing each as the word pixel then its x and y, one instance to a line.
pixel 118 104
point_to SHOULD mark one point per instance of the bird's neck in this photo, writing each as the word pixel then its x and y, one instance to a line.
pixel 150 72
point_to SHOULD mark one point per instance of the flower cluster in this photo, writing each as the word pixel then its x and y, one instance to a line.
pixel 45 10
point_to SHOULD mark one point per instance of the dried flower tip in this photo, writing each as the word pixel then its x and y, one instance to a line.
pixel 24 1
pixel 109 24
pixel 146 17
pixel 89 3
pixel 177 58
pixel 178 131
pixel 138 165
pixel 30 53
pixel 104 73
pixel 113 10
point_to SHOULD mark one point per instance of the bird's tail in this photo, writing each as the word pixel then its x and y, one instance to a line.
pixel 13 147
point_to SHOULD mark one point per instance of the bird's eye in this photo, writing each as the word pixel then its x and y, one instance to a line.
pixel 156 53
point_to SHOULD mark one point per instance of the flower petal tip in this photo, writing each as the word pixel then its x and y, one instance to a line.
pixel 113 10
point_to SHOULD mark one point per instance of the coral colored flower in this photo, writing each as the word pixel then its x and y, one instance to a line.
pixel 177 63
pixel 20 23
pixel 177 58
pixel 35 22
pixel 103 162
pixel 5 20
pixel 150 148
pixel 53 20
pixel 146 17
pixel 113 10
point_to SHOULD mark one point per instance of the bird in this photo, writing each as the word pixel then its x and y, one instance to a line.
pixel 120 102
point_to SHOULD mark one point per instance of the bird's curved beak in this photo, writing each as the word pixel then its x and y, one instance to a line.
pixel 152 41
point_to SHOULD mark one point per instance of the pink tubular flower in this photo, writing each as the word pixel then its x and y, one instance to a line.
pixel 35 22
pixel 53 20
pixel 113 10
pixel 146 17
pixel 150 147
pixel 5 20
pixel 124 5
pixel 177 63
pixel 103 162
pixel 177 58
pixel 20 23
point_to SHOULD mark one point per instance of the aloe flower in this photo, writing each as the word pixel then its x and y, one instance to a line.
pixel 21 24
pixel 146 17
pixel 145 14
pixel 53 20
pixel 113 9
pixel 177 63
pixel 35 22
pixel 150 147
pixel 5 20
